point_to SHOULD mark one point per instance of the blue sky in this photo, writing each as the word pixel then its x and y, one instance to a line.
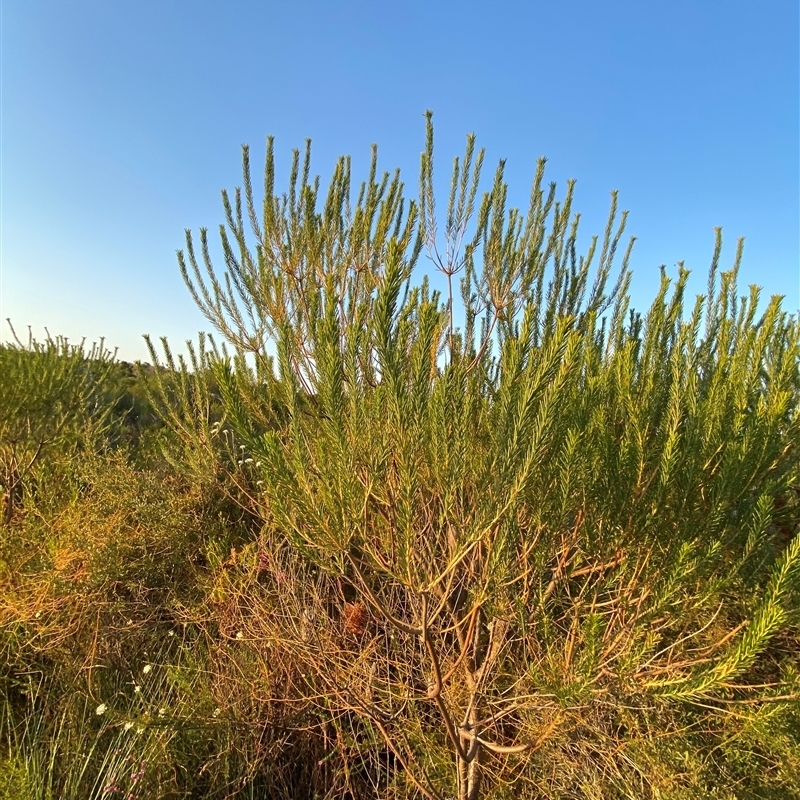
pixel 122 120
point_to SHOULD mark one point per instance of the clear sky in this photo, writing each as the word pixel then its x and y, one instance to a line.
pixel 123 119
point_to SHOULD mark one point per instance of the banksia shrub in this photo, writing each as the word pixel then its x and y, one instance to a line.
pixel 572 525
pixel 56 400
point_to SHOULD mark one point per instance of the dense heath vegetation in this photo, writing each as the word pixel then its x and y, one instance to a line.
pixel 507 539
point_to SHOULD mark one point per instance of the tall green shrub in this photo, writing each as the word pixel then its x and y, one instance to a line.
pixel 532 538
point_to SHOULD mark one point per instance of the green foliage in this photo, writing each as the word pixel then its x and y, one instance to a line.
pixel 564 520
pixel 53 404
pixel 389 538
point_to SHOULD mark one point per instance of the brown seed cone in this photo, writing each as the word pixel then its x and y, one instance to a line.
pixel 355 618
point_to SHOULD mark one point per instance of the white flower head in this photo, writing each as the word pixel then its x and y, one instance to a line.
pixel 127 726
pixel 239 635
pixel 147 668
pixel 101 709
